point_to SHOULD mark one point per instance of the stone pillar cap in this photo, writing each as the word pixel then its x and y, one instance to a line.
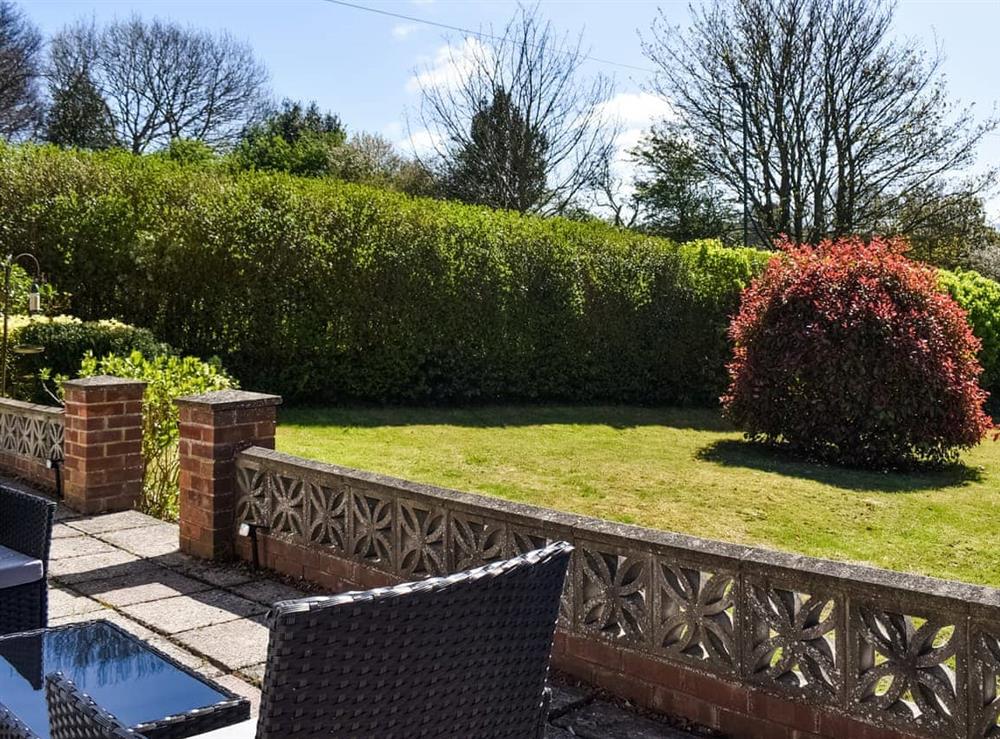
pixel 102 381
pixel 221 400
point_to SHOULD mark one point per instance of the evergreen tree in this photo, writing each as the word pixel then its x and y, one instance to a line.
pixel 677 197
pixel 502 164
pixel 79 116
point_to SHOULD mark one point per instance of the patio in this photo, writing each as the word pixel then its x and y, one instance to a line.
pixel 126 568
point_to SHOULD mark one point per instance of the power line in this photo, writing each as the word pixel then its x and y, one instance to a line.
pixel 478 34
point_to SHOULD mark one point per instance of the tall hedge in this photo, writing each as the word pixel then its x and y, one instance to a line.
pixel 324 291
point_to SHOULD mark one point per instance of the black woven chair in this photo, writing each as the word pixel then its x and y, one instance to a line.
pixel 459 656
pixel 25 534
pixel 75 715
pixel 11 727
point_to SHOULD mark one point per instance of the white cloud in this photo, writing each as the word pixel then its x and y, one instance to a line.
pixel 449 66
pixel 636 109
pixel 423 142
pixel 422 2
pixel 632 113
pixel 402 31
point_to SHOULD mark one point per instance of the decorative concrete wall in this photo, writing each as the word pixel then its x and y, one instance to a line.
pixel 753 642
pixel 31 441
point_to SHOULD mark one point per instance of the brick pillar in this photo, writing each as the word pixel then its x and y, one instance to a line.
pixel 214 428
pixel 103 464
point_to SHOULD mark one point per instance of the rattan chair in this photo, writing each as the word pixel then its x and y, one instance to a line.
pixel 11 727
pixel 25 533
pixel 460 656
pixel 75 715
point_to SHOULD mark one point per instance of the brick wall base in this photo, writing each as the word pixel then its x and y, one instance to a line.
pixel 31 470
pixel 728 707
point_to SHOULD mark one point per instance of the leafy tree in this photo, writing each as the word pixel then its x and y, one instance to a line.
pixel 372 159
pixel 528 79
pixel 20 67
pixel 293 138
pixel 845 123
pixel 677 196
pixel 163 81
pixel 944 228
pixel 188 151
pixel 502 161
pixel 79 116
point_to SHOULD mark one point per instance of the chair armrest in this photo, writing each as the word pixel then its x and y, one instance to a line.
pixel 543 714
pixel 26 523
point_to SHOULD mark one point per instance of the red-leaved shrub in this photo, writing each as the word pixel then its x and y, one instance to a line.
pixel 849 352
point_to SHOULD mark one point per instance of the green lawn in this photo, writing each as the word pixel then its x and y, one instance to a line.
pixel 682 470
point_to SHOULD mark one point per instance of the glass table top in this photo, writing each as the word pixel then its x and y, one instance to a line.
pixel 118 671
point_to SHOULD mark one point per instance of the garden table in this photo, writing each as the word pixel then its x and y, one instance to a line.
pixel 147 690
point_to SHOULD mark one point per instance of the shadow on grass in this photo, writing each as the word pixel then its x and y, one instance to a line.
pixel 499 416
pixel 757 456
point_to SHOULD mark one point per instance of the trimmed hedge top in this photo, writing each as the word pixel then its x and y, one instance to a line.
pixel 326 291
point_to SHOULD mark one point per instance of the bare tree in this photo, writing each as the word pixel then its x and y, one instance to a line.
pixel 163 81
pixel 20 69
pixel 844 122
pixel 512 115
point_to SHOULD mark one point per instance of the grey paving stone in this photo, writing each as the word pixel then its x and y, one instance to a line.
pixel 565 698
pixel 602 720
pixel 61 530
pixel 73 618
pixel 154 583
pixel 254 674
pixel 185 612
pixel 115 563
pixel 241 687
pixel 112 522
pixel 217 574
pixel 65 514
pixel 236 644
pixel 77 546
pixel 147 541
pixel 65 603
pixel 267 592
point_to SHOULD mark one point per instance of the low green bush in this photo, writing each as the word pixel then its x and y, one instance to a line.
pixel 167 378
pixel 980 298
pixel 65 341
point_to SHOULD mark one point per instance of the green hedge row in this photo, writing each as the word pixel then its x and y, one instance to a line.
pixel 324 291
pixel 980 297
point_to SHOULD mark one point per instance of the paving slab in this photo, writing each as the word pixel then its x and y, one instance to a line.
pixel 268 592
pixel 112 522
pixel 600 720
pixel 185 612
pixel 61 530
pixel 218 574
pixel 77 546
pixel 254 674
pixel 114 563
pixel 146 541
pixel 564 698
pixel 66 603
pixel 155 583
pixel 235 645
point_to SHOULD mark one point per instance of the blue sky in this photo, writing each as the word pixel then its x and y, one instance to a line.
pixel 361 65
